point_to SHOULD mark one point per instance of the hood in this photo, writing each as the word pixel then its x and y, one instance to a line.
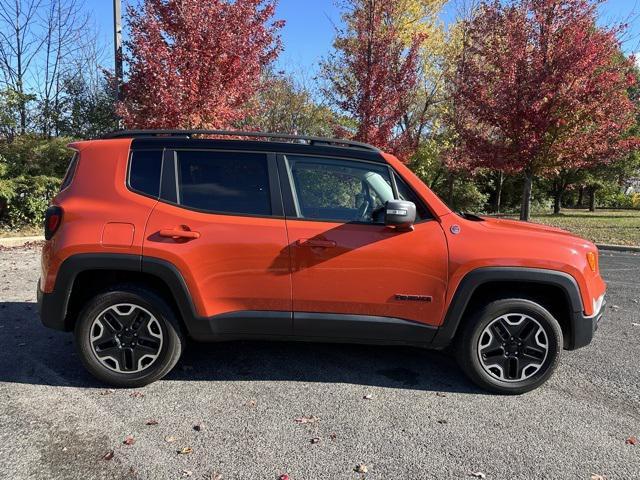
pixel 515 226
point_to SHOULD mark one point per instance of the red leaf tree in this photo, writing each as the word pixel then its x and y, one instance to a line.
pixel 195 63
pixel 539 87
pixel 373 73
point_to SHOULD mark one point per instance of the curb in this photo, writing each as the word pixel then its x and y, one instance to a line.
pixel 19 241
pixel 617 248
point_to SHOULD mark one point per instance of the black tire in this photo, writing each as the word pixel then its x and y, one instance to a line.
pixel 488 372
pixel 167 349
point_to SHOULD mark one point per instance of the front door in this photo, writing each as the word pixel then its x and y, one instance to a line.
pixel 351 275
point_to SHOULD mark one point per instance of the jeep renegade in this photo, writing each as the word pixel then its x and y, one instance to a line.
pixel 156 236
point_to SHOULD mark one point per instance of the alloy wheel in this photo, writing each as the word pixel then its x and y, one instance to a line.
pixel 513 347
pixel 126 338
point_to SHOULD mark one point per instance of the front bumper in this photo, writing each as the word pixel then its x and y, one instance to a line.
pixel 584 327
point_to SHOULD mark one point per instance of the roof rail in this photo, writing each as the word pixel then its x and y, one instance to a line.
pixel 237 133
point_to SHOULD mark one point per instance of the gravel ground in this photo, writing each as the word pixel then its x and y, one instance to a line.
pixel 423 420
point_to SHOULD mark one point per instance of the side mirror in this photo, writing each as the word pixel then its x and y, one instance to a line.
pixel 400 214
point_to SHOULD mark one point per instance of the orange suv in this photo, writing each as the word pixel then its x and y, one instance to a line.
pixel 161 235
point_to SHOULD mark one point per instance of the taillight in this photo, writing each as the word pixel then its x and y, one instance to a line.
pixel 52 221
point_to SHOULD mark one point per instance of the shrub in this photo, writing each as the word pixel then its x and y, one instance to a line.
pixel 25 199
pixel 35 156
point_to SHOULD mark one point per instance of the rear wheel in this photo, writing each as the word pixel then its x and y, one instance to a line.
pixel 128 337
pixel 510 346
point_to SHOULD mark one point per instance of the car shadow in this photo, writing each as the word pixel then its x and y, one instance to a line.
pixel 33 354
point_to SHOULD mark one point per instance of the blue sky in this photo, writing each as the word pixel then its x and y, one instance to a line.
pixel 309 29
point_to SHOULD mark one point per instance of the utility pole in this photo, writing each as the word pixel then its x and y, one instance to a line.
pixel 117 43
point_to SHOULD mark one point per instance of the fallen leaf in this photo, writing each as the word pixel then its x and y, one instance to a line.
pixel 152 422
pixel 284 476
pixel 169 439
pixel 215 476
pixel 306 419
pixel 315 440
pixel 187 473
pixel 251 403
pixel 109 391
pixel 361 468
pixel 185 451
pixel 442 422
pixel 440 394
pixel 367 397
pixel 477 474
pixel 198 427
pixel 108 455
pixel 136 394
pixel 333 436
pixel 631 441
pixel 129 440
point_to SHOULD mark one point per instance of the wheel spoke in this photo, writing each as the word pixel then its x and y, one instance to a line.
pixel 112 321
pixel 501 330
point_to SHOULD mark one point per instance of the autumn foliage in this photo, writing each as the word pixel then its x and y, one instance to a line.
pixel 539 87
pixel 374 72
pixel 197 64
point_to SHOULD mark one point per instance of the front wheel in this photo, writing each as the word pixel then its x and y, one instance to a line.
pixel 128 337
pixel 510 346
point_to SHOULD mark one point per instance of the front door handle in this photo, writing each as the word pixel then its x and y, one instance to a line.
pixel 313 243
pixel 180 233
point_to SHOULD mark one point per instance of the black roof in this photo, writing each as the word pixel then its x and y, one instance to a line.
pixel 305 139
pixel 140 143
pixel 261 141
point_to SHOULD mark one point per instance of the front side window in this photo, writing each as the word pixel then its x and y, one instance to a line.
pixel 337 190
pixel 405 193
pixel 222 182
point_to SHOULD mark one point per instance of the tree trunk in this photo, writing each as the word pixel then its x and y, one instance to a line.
pixel 499 184
pixel 557 196
pixel 592 200
pixel 450 184
pixel 525 207
pixel 580 197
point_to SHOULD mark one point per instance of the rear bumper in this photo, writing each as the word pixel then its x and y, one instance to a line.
pixel 584 327
pixel 52 310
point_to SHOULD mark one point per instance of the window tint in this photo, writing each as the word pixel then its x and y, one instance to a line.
pixel 71 170
pixel 340 190
pixel 224 182
pixel 144 173
pixel 405 193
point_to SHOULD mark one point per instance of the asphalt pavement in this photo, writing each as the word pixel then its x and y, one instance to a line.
pixel 315 411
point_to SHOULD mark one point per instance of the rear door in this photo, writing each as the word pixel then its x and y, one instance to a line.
pixel 220 222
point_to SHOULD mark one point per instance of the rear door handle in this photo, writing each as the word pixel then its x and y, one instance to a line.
pixel 180 233
pixel 306 242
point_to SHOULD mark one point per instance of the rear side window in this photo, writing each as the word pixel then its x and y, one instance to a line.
pixel 71 171
pixel 144 172
pixel 221 182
